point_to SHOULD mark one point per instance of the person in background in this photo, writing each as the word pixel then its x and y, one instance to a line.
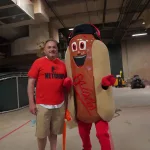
pixel 49 73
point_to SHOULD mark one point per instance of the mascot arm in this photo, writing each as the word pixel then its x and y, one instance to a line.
pixel 105 87
pixel 67 83
pixel 108 81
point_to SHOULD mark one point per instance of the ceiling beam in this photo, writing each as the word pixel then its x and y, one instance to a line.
pixel 112 10
pixel 7 6
pixel 127 19
pixel 100 11
pixel 88 10
pixel 55 13
pixel 144 8
pixel 104 11
pixel 135 11
pixel 12 16
pixel 67 2
pixel 140 13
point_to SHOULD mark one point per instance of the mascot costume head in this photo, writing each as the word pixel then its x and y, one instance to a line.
pixel 87 63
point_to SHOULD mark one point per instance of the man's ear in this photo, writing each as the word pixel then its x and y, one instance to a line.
pixel 43 52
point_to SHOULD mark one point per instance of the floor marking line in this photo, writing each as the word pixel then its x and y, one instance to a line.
pixel 14 130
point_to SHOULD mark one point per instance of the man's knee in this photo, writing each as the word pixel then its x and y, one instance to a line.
pixel 57 122
pixel 41 139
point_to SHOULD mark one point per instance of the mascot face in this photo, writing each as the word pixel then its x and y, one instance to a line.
pixel 80 47
pixel 80 51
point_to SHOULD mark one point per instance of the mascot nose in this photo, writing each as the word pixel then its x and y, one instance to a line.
pixel 79 53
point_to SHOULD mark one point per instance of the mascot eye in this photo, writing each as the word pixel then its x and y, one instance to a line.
pixel 82 45
pixel 74 46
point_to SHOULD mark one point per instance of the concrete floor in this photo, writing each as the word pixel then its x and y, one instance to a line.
pixel 130 130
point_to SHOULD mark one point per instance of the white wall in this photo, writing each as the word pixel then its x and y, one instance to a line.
pixel 26 45
pixel 136 57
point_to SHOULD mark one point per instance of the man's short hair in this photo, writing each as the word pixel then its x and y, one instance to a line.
pixel 51 40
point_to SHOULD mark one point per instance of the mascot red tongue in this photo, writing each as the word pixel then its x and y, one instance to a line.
pixel 88 65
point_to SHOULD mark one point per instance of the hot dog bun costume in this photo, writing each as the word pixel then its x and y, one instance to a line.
pixel 88 65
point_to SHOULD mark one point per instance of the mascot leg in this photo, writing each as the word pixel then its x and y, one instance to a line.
pixel 102 129
pixel 84 131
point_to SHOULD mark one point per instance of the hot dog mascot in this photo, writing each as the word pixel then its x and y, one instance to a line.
pixel 90 98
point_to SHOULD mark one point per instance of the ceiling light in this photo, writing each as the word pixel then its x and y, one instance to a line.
pixel 140 34
pixel 143 23
pixel 71 29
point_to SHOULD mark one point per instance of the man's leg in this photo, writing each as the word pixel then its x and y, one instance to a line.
pixel 42 126
pixel 53 141
pixel 57 125
pixel 84 132
pixel 102 129
pixel 41 143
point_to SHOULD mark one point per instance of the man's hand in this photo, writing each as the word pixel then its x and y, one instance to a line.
pixel 32 108
pixel 108 80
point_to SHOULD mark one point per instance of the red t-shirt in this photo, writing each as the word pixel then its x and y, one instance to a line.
pixel 50 76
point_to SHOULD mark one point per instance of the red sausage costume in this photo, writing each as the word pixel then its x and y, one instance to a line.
pixel 90 99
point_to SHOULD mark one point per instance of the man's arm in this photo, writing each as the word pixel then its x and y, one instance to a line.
pixel 33 75
pixel 30 91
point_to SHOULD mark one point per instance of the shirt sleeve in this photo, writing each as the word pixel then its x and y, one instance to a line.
pixel 34 70
pixel 65 70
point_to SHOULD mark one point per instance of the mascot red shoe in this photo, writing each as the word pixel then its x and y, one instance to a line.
pixel 90 98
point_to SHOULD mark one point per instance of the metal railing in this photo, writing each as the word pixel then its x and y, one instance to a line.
pixel 13 91
pixel 7 74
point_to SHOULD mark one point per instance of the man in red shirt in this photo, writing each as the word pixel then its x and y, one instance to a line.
pixel 49 73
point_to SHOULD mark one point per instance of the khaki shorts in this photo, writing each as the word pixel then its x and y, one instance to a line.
pixel 49 121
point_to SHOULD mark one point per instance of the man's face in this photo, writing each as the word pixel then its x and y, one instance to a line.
pixel 51 50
